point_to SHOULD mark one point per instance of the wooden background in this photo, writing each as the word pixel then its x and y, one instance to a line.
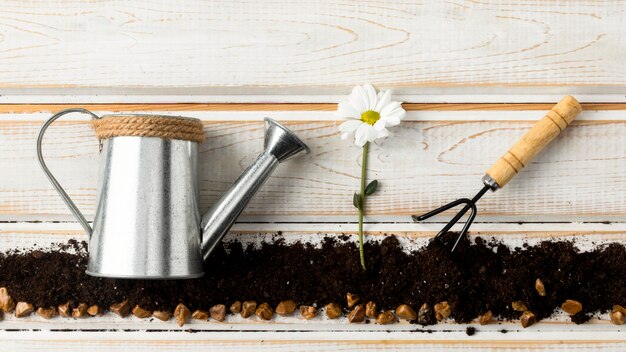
pixel 475 76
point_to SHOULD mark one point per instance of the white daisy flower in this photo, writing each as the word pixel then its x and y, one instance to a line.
pixel 369 114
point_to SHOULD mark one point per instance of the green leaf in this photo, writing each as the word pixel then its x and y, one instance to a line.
pixel 357 201
pixel 371 188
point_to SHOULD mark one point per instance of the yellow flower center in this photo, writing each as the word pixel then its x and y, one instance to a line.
pixel 370 117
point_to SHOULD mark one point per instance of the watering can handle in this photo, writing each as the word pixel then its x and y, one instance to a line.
pixel 68 201
pixel 531 143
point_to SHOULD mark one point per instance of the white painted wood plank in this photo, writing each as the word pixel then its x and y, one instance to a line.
pixel 423 165
pixel 282 49
pixel 302 341
pixel 586 235
pixel 72 227
pixel 545 334
pixel 419 95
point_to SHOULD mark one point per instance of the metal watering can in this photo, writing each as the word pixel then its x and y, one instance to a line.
pixel 147 224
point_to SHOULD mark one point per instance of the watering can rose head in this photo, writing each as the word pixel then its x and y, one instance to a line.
pixel 147 224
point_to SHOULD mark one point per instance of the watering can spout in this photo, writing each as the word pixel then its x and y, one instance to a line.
pixel 281 142
pixel 280 145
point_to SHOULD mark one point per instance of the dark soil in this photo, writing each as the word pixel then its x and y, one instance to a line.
pixel 480 276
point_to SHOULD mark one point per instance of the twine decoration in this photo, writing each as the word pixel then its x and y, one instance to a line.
pixel 183 128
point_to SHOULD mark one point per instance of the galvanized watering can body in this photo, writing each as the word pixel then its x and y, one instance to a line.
pixel 147 223
pixel 147 215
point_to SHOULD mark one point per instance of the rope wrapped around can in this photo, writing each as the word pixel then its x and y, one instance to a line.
pixel 167 127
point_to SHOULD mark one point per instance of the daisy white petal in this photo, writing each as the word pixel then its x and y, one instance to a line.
pixel 392 119
pixel 379 125
pixel 392 105
pixel 350 126
pixel 372 98
pixel 371 133
pixel 358 99
pixel 360 137
pixel 382 133
pixel 347 110
pixel 384 97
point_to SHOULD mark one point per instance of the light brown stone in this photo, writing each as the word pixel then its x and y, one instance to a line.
pixel 370 310
pixel 47 313
pixel 23 309
pixel 308 312
pixel 7 304
pixel 519 306
pixel 528 318
pixel 357 315
pixel 218 312
pixel 286 308
pixel 122 309
pixel 248 308
pixel 386 317
pixel 235 308
pixel 333 311
pixel 65 310
pixel 94 310
pixel 200 315
pixel 352 299
pixel 162 315
pixel 181 314
pixel 264 311
pixel 572 307
pixel 80 311
pixel 540 288
pixel 406 312
pixel 485 318
pixel 442 310
pixel 617 317
pixel 140 312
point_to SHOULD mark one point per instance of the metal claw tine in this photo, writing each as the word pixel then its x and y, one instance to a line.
pixel 441 209
pixel 467 225
pixel 469 205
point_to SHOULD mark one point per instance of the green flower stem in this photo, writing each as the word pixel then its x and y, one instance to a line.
pixel 362 208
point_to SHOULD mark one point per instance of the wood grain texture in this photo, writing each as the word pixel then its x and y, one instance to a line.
pixel 435 95
pixel 424 164
pixel 242 51
pixel 586 235
pixel 283 49
pixel 268 341
pixel 182 107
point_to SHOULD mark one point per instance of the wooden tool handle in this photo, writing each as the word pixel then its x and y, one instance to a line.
pixel 539 136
